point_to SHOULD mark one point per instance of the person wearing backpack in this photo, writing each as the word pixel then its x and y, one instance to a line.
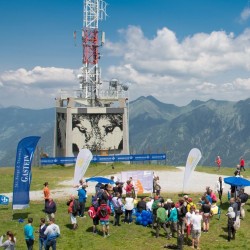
pixel 161 217
pixel 72 211
pixel 103 213
pixel 182 210
pixel 92 212
pixel 117 203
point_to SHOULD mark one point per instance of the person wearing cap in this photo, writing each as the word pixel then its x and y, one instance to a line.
pixel 230 223
pixel 46 192
pixel 196 228
pixel 167 206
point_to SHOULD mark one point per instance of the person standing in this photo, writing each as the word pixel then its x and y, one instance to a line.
pixel 82 200
pixel 129 205
pixel 50 209
pixel 218 162
pixel 219 187
pixel 42 236
pixel 196 228
pixel 46 193
pixel 161 217
pixel 173 220
pixel 230 223
pixel 72 213
pixel 29 234
pixel 242 164
pixel 237 171
pixel 10 243
pixel 117 203
pixel 142 205
pixel 103 213
pixel 52 232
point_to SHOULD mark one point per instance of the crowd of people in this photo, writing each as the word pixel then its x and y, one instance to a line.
pixel 184 219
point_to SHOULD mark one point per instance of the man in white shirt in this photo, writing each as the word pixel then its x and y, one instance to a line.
pixel 196 228
pixel 53 232
pixel 149 204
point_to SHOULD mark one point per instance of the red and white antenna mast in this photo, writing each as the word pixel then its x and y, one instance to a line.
pixel 93 11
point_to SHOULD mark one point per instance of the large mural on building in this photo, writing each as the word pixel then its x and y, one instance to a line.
pixel 97 132
pixel 60 134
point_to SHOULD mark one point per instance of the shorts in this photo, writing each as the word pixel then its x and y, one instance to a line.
pixel 73 219
pixel 196 234
pixel 206 217
pixel 96 221
pixel 104 222
pixel 189 229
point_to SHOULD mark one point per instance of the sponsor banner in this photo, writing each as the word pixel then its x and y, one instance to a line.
pixel 82 162
pixel 194 157
pixel 4 200
pixel 142 180
pixel 22 176
pixel 110 158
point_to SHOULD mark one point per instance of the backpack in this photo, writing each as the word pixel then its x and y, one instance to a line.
pixel 182 212
pixel 92 212
pixel 76 206
pixel 103 211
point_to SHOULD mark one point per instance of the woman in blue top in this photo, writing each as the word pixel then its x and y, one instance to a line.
pixel 29 234
pixel 173 219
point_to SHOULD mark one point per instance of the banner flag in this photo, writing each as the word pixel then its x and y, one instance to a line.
pixel 4 200
pixel 22 176
pixel 194 157
pixel 83 159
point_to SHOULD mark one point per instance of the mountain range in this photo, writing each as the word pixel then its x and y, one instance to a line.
pixel 215 127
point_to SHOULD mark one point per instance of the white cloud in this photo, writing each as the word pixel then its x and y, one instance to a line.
pixel 35 88
pixel 201 66
pixel 245 14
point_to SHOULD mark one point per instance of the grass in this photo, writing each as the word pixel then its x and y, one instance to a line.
pixel 125 237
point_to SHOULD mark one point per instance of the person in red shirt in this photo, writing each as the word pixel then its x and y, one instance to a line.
pixel 218 162
pixel 103 213
pixel 242 164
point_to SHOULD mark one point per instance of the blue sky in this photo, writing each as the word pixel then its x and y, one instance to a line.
pixel 176 50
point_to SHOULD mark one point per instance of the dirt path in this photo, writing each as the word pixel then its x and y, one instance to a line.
pixel 170 181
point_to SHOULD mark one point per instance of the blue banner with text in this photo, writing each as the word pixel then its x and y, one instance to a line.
pixel 109 158
pixel 22 176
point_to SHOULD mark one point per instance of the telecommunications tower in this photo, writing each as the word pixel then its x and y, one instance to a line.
pixel 90 79
pixel 96 115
